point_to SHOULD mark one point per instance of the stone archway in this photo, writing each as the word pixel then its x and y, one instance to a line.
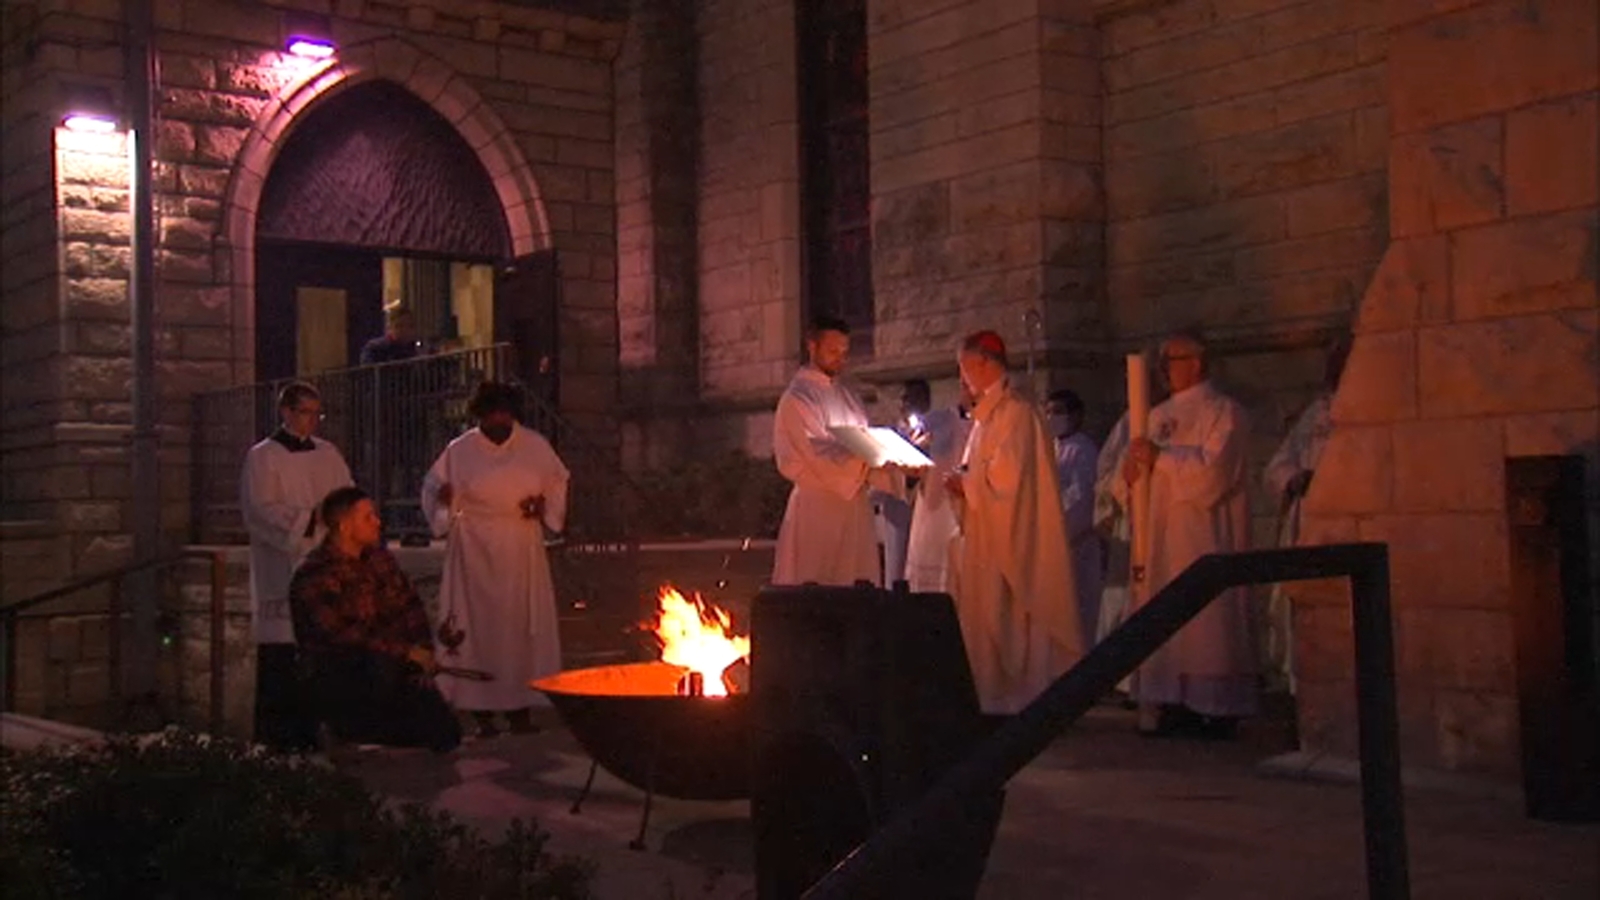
pixel 432 82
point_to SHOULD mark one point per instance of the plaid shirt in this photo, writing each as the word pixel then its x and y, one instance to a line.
pixel 342 602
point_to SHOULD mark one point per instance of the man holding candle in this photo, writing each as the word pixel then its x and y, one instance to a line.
pixel 1193 459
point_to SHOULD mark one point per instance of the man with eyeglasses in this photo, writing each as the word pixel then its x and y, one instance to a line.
pixel 285 478
pixel 1204 680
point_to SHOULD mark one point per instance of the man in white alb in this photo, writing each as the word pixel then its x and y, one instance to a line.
pixel 828 535
pixel 1205 679
pixel 285 479
pixel 1076 464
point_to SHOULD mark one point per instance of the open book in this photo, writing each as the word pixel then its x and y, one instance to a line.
pixel 880 446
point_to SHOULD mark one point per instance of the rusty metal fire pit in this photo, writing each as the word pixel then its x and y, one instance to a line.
pixel 631 720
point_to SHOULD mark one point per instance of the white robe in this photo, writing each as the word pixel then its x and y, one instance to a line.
pixel 279 493
pixel 828 535
pixel 1198 505
pixel 1076 465
pixel 496 575
pixel 1014 588
pixel 1111 517
pixel 1300 452
pixel 933 512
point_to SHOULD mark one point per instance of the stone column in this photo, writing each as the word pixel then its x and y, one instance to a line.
pixel 658 134
pixel 1475 342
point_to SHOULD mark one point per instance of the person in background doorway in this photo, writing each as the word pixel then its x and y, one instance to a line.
pixel 942 435
pixel 1204 680
pixel 285 478
pixel 398 341
pixel 364 637
pixel 1015 590
pixel 828 534
pixel 1076 464
pixel 1288 477
pixel 494 494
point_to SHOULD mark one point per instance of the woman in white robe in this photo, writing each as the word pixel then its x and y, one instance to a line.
pixel 493 494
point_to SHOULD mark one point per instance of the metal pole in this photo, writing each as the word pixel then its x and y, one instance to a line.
pixel 1378 720
pixel 219 592
pixel 10 669
pixel 146 507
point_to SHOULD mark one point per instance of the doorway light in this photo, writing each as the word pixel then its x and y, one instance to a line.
pixel 311 48
pixel 310 35
pixel 90 109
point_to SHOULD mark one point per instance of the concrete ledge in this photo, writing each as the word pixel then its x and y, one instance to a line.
pixel 26 733
pixel 1306 766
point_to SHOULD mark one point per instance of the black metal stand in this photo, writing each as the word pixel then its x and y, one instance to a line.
pixel 649 792
pixel 577 803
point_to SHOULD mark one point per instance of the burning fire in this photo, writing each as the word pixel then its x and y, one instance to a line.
pixel 698 636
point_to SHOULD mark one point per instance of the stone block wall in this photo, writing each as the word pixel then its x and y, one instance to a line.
pixel 1476 342
pixel 530 89
pixel 748 217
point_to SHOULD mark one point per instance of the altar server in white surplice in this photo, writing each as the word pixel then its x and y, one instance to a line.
pixel 828 535
pixel 942 434
pixel 1014 587
pixel 1287 477
pixel 494 493
pixel 286 477
pixel 1076 465
pixel 1205 678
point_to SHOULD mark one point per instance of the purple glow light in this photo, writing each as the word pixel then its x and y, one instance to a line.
pixel 311 48
pixel 90 123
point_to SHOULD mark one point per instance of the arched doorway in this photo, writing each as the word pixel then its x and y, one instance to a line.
pixel 374 201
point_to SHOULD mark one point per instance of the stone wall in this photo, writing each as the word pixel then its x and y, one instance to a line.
pixel 985 175
pixel 529 89
pixel 1476 342
pixel 749 197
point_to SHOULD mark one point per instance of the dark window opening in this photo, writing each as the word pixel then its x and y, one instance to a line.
pixel 835 159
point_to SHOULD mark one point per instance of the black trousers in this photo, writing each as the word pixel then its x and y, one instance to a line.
pixel 283 720
pixel 370 698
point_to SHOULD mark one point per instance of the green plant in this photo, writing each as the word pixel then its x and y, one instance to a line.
pixel 187 816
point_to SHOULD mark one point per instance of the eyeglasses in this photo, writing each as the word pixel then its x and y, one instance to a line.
pixel 319 414
pixel 1174 358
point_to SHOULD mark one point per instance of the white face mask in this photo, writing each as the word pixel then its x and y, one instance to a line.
pixel 1058 424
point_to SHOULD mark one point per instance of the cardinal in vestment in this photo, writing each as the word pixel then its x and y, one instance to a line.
pixel 1014 585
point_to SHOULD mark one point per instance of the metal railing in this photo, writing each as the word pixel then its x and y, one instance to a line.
pixel 1025 736
pixel 11 615
pixel 389 420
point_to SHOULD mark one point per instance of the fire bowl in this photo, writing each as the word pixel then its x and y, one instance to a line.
pixel 630 719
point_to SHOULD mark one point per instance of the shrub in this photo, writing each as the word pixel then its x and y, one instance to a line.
pixel 732 495
pixel 186 816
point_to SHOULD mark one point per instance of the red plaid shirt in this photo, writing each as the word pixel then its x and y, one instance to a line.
pixel 344 602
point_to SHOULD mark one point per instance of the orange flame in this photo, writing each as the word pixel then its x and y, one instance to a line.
pixel 698 636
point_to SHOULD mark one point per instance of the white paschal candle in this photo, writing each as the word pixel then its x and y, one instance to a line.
pixel 1138 427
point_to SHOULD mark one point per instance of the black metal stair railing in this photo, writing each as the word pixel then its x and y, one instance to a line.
pixel 1025 736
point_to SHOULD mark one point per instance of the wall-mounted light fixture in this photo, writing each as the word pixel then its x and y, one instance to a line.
pixel 90 109
pixel 310 36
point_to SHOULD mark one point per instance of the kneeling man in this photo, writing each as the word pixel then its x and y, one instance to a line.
pixel 364 636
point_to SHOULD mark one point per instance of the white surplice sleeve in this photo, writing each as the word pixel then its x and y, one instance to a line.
pixel 1077 475
pixel 437 514
pixel 1205 472
pixel 270 515
pixel 556 478
pixel 1290 460
pixel 808 455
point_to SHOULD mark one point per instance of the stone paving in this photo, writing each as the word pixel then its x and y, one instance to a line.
pixel 1100 814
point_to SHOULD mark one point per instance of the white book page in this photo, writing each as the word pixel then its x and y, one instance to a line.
pixel 880 446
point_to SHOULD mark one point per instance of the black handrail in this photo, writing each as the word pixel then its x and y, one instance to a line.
pixel 1027 734
pixel 10 613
